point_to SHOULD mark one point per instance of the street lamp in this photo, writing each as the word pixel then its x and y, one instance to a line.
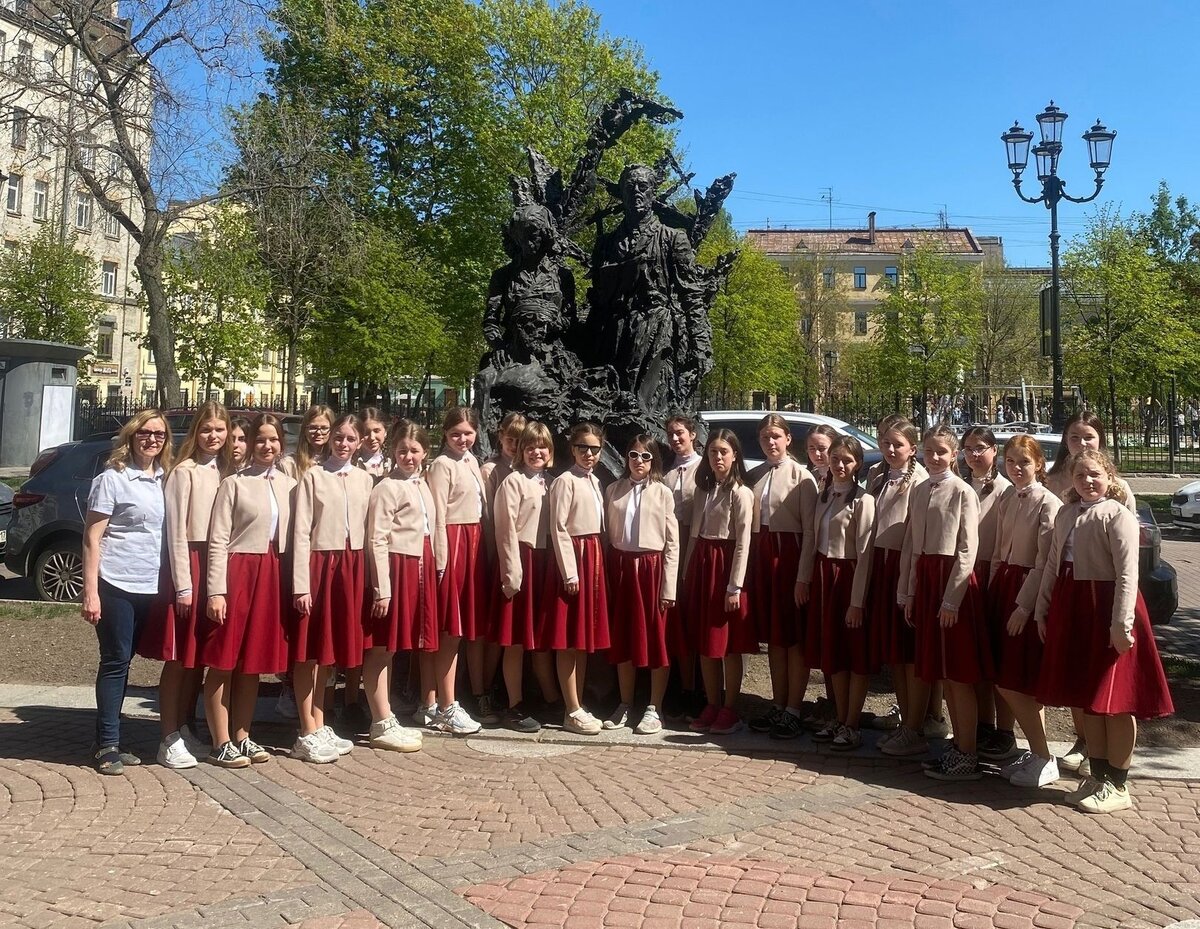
pixel 831 358
pixel 1016 142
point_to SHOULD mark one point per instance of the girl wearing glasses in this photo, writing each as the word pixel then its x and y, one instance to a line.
pixel 576 601
pixel 247 594
pixel 122 549
pixel 205 458
pixel 643 567
pixel 463 609
pixel 311 445
pixel 521 517
pixel 714 592
pixel 783 490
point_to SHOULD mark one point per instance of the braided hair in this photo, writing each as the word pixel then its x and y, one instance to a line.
pixel 989 482
pixel 910 435
pixel 854 447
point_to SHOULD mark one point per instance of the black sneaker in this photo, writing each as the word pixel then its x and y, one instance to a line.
pixel 487 710
pixel 999 746
pixel 956 766
pixel 787 726
pixel 516 719
pixel 766 722
pixel 228 756
pixel 107 760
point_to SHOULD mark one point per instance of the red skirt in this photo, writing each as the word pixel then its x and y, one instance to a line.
pixel 518 619
pixel 639 627
pixel 1080 668
pixel 771 587
pixel 169 636
pixel 962 653
pixel 332 634
pixel 893 641
pixel 411 623
pixel 983 572
pixel 829 644
pixel 1017 658
pixel 580 620
pixel 251 640
pixel 712 632
pixel 463 607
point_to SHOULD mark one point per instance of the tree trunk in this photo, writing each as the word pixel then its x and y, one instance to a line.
pixel 1112 414
pixel 158 323
pixel 289 374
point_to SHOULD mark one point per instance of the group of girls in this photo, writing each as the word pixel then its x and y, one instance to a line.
pixel 358 547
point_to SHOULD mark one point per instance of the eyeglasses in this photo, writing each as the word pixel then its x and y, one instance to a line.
pixel 319 430
pixel 978 449
pixel 151 435
pixel 587 449
pixel 640 456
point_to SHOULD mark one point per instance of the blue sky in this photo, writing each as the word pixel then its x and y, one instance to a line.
pixel 899 106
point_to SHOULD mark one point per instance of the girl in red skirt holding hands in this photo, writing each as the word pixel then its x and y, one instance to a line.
pixel 715 599
pixel 783 491
pixel 463 607
pixel 941 599
pixel 250 528
pixel 836 639
pixel 643 565
pixel 328 578
pixel 1024 533
pixel 401 522
pixel 521 516
pixel 1100 654
pixel 173 635
pixel 576 598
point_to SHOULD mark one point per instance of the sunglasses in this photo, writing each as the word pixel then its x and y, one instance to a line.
pixel 150 435
pixel 587 449
pixel 320 430
pixel 640 456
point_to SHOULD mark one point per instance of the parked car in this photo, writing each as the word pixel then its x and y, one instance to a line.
pixel 744 424
pixel 179 419
pixel 1156 578
pixel 1185 506
pixel 1049 441
pixel 6 509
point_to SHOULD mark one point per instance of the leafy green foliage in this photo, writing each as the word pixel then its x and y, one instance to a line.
pixel 48 289
pixel 1009 343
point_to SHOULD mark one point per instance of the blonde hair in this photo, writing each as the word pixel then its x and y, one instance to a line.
pixel 1116 489
pixel 122 453
pixel 308 454
pixel 942 431
pixel 206 412
pixel 894 422
pixel 534 435
pixel 513 425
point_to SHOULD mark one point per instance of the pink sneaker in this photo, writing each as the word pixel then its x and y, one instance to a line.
pixel 705 720
pixel 726 723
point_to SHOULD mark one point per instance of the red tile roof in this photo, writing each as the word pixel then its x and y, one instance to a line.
pixel 858 241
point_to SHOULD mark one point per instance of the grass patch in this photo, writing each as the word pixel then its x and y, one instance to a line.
pixel 14 482
pixel 40 612
pixel 1181 669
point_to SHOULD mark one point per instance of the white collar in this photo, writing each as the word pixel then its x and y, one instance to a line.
pixel 939 478
pixel 685 460
pixel 580 472
pixel 137 474
pixel 333 466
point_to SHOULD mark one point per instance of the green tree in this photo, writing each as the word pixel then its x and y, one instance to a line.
pixel 48 289
pixel 216 289
pixel 928 323
pixel 822 306
pixel 1126 329
pixel 1009 343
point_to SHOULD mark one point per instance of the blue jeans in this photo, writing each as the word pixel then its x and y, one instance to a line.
pixel 122 617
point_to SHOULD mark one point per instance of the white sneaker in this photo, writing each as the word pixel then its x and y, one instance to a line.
pixel 1074 757
pixel 314 749
pixel 425 716
pixel 619 718
pixel 173 753
pixel 390 735
pixel 650 724
pixel 1016 764
pixel 194 743
pixel 581 722
pixel 1037 772
pixel 285 706
pixel 340 745
pixel 454 719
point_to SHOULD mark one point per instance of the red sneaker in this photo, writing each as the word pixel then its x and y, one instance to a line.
pixel 726 723
pixel 705 720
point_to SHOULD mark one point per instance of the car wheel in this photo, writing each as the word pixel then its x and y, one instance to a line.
pixel 58 572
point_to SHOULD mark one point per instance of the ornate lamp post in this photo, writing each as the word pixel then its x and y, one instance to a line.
pixel 1016 141
pixel 831 359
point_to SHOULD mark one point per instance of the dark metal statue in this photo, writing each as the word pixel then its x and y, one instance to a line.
pixel 643 343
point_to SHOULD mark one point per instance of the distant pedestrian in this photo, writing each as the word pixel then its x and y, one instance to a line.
pixel 1193 419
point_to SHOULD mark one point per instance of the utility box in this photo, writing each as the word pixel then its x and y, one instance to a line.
pixel 37 397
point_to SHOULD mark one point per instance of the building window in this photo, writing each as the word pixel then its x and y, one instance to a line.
pixel 104 340
pixel 112 226
pixel 108 278
pixel 14 193
pixel 11 246
pixel 893 277
pixel 860 278
pixel 24 57
pixel 48 63
pixel 266 357
pixel 41 200
pixel 83 212
pixel 115 165
pixel 114 393
pixel 87 152
pixel 860 322
pixel 828 277
pixel 3 46
pixel 20 128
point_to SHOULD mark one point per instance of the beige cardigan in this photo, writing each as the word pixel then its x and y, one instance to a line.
pixel 396 523
pixel 458 489
pixel 190 492
pixel 521 515
pixel 726 512
pixel 326 503
pixel 658 530
pixel 850 523
pixel 943 519
pixel 988 514
pixel 573 511
pixel 240 520
pixel 682 484
pixel 1024 533
pixel 891 508
pixel 1105 548
pixel 789 480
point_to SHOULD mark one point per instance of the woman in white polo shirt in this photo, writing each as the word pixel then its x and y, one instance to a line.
pixel 122 553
